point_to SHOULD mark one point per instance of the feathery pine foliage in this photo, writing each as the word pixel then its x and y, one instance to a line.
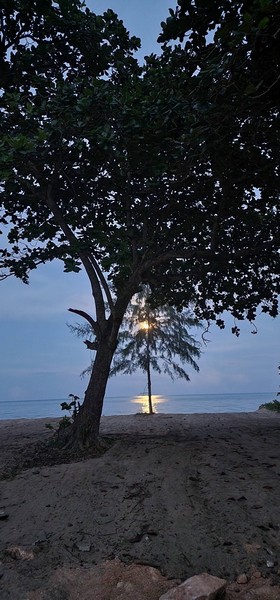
pixel 169 338
pixel 150 339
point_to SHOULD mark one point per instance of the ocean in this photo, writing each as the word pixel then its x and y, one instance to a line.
pixel 127 405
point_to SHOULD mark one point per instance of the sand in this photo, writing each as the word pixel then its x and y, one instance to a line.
pixel 182 493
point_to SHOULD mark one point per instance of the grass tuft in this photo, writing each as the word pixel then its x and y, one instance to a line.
pixel 274 406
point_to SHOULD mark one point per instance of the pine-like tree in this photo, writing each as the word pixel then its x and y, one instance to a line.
pixel 152 339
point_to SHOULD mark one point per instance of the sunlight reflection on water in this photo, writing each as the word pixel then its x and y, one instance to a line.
pixel 143 401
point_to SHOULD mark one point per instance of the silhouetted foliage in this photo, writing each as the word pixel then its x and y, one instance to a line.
pixel 166 175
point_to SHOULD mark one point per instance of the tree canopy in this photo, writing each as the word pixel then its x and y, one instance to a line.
pixel 237 42
pixel 170 168
pixel 166 175
pixel 231 53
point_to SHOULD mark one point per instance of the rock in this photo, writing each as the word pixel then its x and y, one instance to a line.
pixel 125 587
pixel 19 553
pixel 3 515
pixel 256 575
pixel 198 587
pixel 256 589
pixel 84 546
pixel 270 564
pixel 112 580
pixel 265 592
pixel 40 541
pixel 242 578
pixel 252 548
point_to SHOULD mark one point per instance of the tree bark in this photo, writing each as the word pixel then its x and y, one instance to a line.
pixel 149 371
pixel 149 390
pixel 84 432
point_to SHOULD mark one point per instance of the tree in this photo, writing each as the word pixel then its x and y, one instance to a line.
pixel 150 339
pixel 62 66
pixel 127 173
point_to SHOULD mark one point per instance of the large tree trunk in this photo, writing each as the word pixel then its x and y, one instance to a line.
pixel 85 429
pixel 84 432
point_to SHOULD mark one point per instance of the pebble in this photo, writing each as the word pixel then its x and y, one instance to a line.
pixel 19 553
pixel 83 546
pixel 40 541
pixel 256 575
pixel 3 515
pixel 270 564
pixel 242 578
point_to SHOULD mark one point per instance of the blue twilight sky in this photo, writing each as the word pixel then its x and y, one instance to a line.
pixel 41 359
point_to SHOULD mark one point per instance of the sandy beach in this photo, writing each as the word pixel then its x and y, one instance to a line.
pixel 184 494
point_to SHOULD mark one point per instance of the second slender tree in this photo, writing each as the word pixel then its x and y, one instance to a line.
pixel 156 339
pixel 151 339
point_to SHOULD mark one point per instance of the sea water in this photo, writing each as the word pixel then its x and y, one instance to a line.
pixel 128 405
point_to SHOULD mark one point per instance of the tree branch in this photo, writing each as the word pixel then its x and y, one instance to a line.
pixel 5 276
pixel 90 270
pixel 103 281
pixel 92 258
pixel 204 254
pixel 267 90
pixel 91 345
pixel 88 318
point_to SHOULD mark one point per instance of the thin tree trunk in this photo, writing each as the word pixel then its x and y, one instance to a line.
pixel 150 390
pixel 149 372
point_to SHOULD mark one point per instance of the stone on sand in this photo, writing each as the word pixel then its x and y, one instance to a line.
pixel 198 587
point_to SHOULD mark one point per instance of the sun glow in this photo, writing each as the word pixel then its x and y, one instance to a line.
pixel 144 325
pixel 144 402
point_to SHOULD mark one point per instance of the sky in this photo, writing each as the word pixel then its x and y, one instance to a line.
pixel 41 359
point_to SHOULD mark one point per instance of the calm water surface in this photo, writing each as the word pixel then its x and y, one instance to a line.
pixel 127 405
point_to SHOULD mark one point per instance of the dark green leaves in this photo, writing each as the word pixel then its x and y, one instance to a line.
pixel 166 174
